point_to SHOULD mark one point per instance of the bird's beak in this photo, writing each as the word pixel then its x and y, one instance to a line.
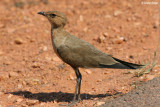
pixel 42 13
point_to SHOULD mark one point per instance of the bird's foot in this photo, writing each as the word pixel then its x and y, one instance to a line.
pixel 74 102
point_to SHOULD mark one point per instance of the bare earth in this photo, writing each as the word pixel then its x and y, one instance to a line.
pixel 32 75
pixel 147 95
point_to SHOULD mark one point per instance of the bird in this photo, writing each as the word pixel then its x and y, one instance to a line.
pixel 78 53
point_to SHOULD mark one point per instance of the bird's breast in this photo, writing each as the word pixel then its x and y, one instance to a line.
pixel 57 42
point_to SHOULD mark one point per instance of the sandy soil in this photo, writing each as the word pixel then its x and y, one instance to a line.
pixel 32 75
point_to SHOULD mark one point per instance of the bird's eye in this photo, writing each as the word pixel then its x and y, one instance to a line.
pixel 52 15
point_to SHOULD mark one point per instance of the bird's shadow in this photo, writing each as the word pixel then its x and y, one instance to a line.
pixel 56 96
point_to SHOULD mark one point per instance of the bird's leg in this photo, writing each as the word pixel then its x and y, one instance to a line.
pixel 75 93
pixel 78 86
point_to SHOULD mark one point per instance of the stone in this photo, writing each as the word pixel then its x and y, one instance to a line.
pixel 100 103
pixel 18 41
pixel 101 39
pixel 105 34
pixel 88 71
pixel 13 74
pixel 71 77
pixel 31 102
pixel 19 100
pixel 117 13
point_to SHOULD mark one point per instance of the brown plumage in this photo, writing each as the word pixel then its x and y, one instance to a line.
pixel 79 53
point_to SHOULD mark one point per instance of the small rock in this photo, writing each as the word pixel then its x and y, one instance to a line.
pixel 155 70
pixel 24 82
pixel 105 34
pixel 36 65
pixel 55 101
pixel 71 77
pixel 81 18
pixel 7 62
pixel 31 102
pixel 24 105
pixel 129 19
pixel 32 82
pixel 142 78
pixel 42 104
pixel 131 56
pixel 108 48
pixel 119 40
pixel 99 80
pixel 45 48
pixel 137 24
pixel 10 95
pixel 122 38
pixel 105 73
pixel 101 39
pixel 85 29
pixel 117 13
pixel 88 71
pixel 35 80
pixel 19 86
pixel 19 100
pixel 13 74
pixel 100 103
pixel 18 41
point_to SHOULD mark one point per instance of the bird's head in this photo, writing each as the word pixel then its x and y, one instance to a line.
pixel 56 18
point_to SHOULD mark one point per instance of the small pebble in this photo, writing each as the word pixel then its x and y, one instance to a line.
pixel 31 102
pixel 13 74
pixel 105 34
pixel 88 71
pixel 18 41
pixel 101 39
pixel 19 100
pixel 36 65
pixel 10 95
pixel 19 86
pixel 100 103
pixel 81 18
pixel 71 77
pixel 117 13
pixel 99 80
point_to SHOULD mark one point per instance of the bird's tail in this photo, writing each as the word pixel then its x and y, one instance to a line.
pixel 130 65
pixel 122 65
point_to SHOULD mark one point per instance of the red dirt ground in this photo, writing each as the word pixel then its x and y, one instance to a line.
pixel 32 75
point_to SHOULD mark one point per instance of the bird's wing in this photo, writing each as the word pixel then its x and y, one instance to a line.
pixel 79 53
